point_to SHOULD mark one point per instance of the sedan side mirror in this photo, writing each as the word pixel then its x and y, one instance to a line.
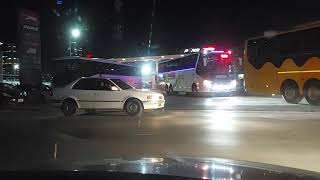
pixel 114 88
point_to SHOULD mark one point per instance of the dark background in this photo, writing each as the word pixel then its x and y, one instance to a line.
pixel 177 24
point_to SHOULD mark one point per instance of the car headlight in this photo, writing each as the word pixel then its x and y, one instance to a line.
pixel 207 83
pixel 23 94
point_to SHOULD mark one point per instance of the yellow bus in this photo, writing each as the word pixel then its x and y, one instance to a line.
pixel 285 63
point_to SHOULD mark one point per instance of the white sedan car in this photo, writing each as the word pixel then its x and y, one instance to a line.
pixel 92 94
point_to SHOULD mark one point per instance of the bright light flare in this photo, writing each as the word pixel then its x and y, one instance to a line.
pixel 205 167
pixel 207 83
pixel 75 33
pixel 146 69
pixel 16 66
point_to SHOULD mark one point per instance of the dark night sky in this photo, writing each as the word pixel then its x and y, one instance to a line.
pixel 177 25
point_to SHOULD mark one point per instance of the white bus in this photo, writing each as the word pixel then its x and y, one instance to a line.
pixel 67 69
pixel 209 70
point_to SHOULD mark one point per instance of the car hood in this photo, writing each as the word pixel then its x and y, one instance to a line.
pixel 204 168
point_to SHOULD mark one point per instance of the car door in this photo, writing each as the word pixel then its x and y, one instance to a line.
pixel 105 97
pixel 84 91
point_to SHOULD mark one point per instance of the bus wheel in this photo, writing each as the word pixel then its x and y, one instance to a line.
pixel 194 90
pixel 290 92
pixel 312 91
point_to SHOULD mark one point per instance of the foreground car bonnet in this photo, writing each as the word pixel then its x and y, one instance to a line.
pixel 196 168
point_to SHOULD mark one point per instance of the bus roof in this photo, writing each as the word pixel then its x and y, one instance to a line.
pixel 296 28
pixel 102 60
pixel 148 58
pixel 171 59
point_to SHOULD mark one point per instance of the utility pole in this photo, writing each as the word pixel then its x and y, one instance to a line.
pixel 1 63
pixel 151 26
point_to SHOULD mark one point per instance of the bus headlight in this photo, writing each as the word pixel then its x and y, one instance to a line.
pixel 207 83
pixel 240 76
pixel 233 83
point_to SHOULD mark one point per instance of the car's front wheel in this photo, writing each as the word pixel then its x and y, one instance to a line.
pixel 133 107
pixel 69 107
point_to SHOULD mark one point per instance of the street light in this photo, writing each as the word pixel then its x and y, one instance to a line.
pixel 75 33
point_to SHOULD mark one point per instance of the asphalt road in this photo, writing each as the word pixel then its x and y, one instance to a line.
pixel 259 129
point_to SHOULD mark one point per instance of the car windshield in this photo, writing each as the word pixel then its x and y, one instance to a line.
pixel 121 84
pixel 134 79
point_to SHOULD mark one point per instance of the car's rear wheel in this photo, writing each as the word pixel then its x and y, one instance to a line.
pixel 290 92
pixel 133 107
pixel 69 107
pixel 312 92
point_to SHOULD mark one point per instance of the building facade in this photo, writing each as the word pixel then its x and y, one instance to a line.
pixel 11 63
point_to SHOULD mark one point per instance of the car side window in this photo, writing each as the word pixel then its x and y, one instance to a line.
pixel 103 84
pixel 85 84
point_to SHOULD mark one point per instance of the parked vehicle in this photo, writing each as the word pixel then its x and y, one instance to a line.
pixel 98 93
pixel 40 94
pixel 11 94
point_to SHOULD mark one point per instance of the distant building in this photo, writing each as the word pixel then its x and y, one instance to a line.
pixel 11 62
pixel 76 50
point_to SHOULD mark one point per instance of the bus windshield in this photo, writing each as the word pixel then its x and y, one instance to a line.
pixel 212 64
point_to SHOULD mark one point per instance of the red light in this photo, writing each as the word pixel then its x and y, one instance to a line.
pixel 210 48
pixel 89 55
pixel 224 56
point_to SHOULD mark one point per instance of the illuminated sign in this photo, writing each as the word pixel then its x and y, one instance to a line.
pixel 192 50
